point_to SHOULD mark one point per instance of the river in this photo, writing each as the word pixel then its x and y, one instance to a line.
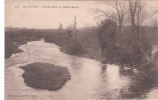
pixel 89 79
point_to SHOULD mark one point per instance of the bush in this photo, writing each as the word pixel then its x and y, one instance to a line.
pixel 128 51
pixel 107 35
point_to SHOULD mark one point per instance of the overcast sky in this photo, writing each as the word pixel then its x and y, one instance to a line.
pixel 17 16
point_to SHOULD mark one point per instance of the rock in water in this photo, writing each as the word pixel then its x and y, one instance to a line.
pixel 45 76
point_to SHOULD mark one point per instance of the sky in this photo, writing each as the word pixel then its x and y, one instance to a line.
pixel 32 14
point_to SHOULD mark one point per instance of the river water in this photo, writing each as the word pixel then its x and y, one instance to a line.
pixel 90 80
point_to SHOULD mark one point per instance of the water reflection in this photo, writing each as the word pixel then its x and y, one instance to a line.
pixel 113 83
pixel 89 80
pixel 142 83
pixel 75 65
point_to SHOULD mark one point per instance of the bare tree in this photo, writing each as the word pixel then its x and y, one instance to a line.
pixel 138 15
pixel 132 9
pixel 118 13
pixel 121 8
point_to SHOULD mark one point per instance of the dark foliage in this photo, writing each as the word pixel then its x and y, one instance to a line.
pixel 127 51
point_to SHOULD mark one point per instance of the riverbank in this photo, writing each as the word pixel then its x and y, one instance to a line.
pixel 45 76
pixel 15 37
pixel 11 48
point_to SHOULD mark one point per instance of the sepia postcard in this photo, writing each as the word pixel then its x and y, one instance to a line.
pixel 81 50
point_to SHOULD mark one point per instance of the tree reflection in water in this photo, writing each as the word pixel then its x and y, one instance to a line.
pixel 142 83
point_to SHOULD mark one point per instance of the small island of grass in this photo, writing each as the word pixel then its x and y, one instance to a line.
pixel 45 76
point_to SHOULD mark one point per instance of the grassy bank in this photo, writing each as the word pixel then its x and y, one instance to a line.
pixel 14 37
pixel 45 76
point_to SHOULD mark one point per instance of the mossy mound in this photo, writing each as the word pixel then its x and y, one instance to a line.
pixel 45 76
